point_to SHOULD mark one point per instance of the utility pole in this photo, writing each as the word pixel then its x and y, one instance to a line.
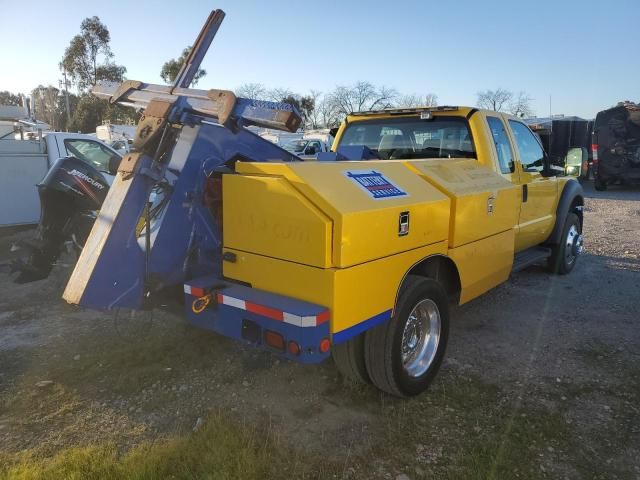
pixel 65 85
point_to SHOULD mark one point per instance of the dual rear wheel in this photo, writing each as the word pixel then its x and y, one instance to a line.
pixel 401 356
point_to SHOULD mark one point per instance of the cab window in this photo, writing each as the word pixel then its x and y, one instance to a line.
pixel 531 152
pixel 412 137
pixel 93 153
pixel 502 144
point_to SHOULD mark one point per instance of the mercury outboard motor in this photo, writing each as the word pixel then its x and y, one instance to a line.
pixel 70 195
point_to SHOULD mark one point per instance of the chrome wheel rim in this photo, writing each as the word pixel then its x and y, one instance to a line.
pixel 573 245
pixel 420 338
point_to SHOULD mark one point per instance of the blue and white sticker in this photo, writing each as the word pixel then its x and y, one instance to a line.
pixel 375 184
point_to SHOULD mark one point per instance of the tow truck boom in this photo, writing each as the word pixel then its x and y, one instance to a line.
pixel 184 139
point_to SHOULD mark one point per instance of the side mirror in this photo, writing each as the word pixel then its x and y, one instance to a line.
pixel 114 163
pixel 549 169
pixel 334 131
pixel 310 151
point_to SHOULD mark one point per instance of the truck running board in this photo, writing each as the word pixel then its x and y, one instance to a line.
pixel 528 257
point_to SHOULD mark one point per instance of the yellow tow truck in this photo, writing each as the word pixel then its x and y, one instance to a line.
pixel 357 255
pixel 449 202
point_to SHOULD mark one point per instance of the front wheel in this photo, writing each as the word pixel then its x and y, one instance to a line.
pixel 403 355
pixel 565 255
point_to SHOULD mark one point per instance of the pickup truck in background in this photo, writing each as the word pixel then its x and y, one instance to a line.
pixel 118 137
pixel 616 145
pixel 312 143
pixel 57 180
pixel 24 163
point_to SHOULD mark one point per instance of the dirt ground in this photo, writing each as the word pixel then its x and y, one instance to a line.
pixel 541 380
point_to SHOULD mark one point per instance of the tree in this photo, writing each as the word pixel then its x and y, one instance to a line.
pixel 328 113
pixel 305 105
pixel 521 105
pixel 87 58
pixel 314 118
pixel 8 98
pixel 413 100
pixel 46 105
pixel 497 100
pixel 92 111
pixel 277 94
pixel 362 96
pixel 171 68
pixel 252 90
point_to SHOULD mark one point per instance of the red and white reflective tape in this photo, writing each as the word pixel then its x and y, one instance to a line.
pixel 195 291
pixel 273 313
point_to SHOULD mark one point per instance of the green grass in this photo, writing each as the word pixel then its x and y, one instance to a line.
pixel 220 450
pixel 480 432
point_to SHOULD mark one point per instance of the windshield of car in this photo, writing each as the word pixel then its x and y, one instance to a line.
pixel 296 146
pixel 405 138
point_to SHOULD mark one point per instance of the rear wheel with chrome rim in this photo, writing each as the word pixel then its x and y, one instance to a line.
pixel 403 355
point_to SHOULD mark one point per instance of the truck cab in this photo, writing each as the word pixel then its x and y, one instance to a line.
pixel 307 148
pixel 497 141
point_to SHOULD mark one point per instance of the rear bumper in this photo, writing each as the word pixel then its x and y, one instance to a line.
pixel 259 318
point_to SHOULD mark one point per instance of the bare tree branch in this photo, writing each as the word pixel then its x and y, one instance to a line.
pixel 521 105
pixel 362 96
pixel 497 100
pixel 252 90
pixel 413 100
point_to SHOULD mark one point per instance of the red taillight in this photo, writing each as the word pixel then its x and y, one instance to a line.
pixel 594 152
pixel 324 345
pixel 274 340
pixel 293 348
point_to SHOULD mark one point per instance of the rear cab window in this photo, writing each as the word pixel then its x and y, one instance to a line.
pixel 412 137
pixel 502 144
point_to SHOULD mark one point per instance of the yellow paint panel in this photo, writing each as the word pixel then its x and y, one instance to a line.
pixel 353 294
pixel 365 228
pixel 483 202
pixel 273 275
pixel 266 215
pixel 484 264
pixel 369 289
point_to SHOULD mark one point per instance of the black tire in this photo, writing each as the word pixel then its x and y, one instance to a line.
pixel 383 344
pixel 349 359
pixel 558 261
pixel 599 185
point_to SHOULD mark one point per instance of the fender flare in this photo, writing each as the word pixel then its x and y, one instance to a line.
pixel 571 191
pixel 422 261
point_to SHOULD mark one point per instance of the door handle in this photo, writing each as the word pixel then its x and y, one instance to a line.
pixel 525 193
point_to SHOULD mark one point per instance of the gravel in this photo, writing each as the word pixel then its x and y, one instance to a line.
pixel 566 344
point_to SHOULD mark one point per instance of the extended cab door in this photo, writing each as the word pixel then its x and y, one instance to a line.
pixel 539 194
